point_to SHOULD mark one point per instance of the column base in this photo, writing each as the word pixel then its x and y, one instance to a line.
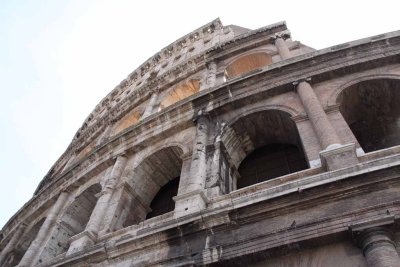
pixel 190 203
pixel 338 156
pixel 81 241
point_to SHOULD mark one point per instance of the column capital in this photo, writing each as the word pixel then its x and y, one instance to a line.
pixel 369 232
pixel 297 82
pixel 377 244
pixel 374 237
pixel 121 155
pixel 281 35
pixel 186 156
pixel 201 114
pixel 211 62
pixel 155 90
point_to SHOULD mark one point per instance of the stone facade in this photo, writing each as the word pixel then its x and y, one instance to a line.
pixel 229 147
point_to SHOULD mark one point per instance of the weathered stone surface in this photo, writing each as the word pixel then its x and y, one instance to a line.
pixel 274 169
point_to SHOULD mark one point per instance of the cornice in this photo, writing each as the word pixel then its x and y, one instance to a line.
pixel 272 76
pixel 245 206
pixel 94 125
pixel 373 50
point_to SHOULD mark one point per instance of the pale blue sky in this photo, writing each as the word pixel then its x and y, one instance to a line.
pixel 59 58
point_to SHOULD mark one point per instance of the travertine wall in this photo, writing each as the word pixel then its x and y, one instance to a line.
pixel 196 110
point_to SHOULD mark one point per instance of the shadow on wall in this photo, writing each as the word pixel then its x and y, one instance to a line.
pixel 371 109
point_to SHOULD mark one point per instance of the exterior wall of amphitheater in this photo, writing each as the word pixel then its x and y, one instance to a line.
pixel 196 110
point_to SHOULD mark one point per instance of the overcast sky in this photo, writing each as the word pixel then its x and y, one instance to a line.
pixel 59 58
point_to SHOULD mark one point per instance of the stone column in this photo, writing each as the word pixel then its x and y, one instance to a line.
pixel 334 155
pixel 378 247
pixel 213 186
pixel 125 204
pixel 38 242
pixel 150 106
pixel 89 235
pixel 211 74
pixel 12 243
pixel 191 197
pixel 283 50
pixel 199 161
pixel 326 133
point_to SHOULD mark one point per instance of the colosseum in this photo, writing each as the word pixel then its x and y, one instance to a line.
pixel 229 147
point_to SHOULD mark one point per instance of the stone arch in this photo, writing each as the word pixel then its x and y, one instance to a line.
pixel 334 96
pixel 158 171
pixel 158 147
pixel 246 63
pixel 179 92
pixel 266 142
pixel 72 222
pixel 370 108
pixel 14 257
pixel 280 108
pixel 92 183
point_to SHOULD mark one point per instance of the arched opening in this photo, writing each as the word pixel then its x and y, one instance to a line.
pixel 180 92
pixel 269 162
pixel 154 182
pixel 372 112
pixel 72 222
pixel 163 201
pixel 246 64
pixel 264 145
pixel 15 256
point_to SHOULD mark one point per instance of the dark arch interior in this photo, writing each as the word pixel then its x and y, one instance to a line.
pixel 269 162
pixel 271 145
pixel 372 110
pixel 15 256
pixel 163 202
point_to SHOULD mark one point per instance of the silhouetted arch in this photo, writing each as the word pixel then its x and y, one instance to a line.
pixel 371 109
pixel 247 63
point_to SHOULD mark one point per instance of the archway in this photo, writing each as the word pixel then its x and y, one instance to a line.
pixel 247 64
pixel 15 256
pixel 155 182
pixel 264 145
pixel 72 222
pixel 372 112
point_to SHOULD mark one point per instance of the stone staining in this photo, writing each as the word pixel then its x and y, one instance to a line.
pixel 229 147
pixel 247 64
pixel 180 92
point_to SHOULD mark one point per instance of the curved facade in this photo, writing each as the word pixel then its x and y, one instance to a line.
pixel 229 147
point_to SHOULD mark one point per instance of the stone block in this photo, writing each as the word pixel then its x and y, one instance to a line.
pixel 338 156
